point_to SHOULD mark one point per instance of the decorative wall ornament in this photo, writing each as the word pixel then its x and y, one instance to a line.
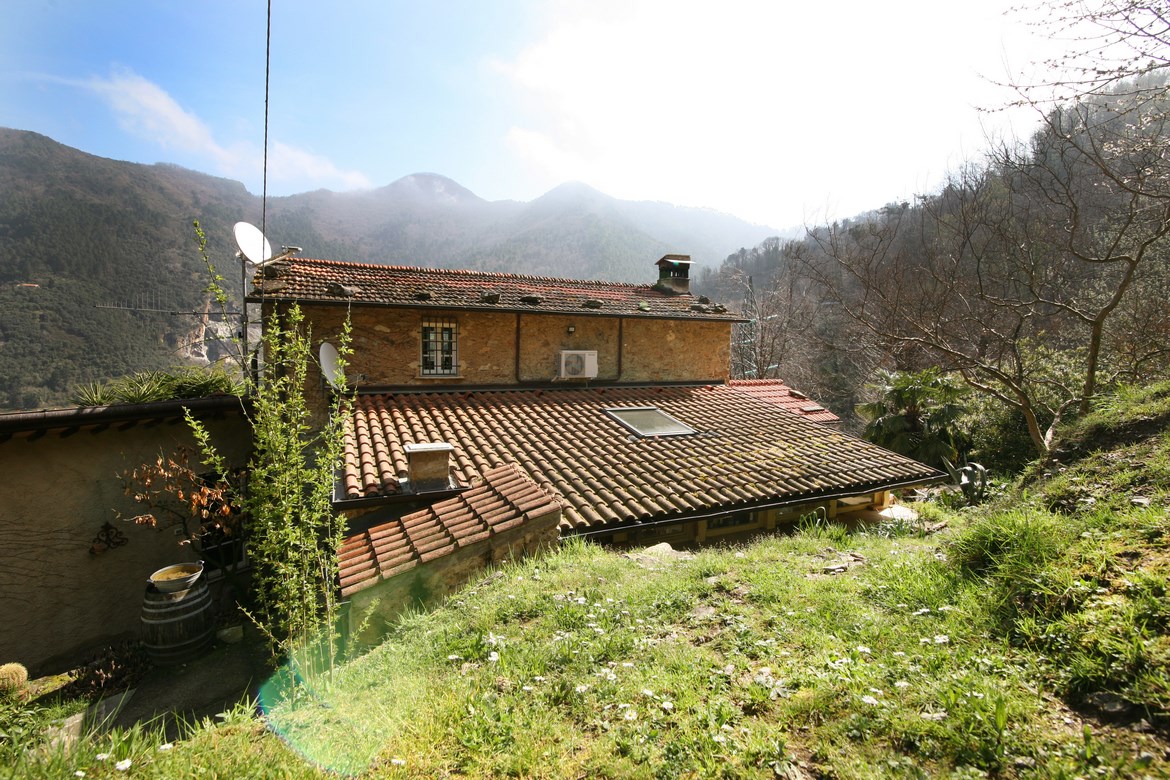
pixel 108 538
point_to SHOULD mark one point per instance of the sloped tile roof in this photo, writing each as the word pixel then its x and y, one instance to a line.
pixel 747 452
pixel 776 392
pixel 505 499
pixel 330 281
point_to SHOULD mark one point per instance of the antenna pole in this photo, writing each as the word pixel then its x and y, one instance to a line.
pixel 244 314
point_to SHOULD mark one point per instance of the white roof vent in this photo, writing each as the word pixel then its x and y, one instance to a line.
pixel 578 364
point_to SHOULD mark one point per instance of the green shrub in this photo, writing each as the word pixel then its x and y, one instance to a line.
pixel 149 386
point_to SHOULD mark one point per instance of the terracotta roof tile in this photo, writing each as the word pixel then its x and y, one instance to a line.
pixel 331 281
pixel 746 450
pixel 505 499
pixel 776 392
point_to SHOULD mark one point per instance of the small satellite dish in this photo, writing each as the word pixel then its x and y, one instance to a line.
pixel 330 367
pixel 252 243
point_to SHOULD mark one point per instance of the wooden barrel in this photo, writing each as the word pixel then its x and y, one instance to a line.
pixel 177 626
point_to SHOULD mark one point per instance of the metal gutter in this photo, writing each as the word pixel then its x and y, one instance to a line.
pixel 755 507
pixel 51 419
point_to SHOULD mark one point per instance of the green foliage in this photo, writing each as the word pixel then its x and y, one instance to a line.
pixel 162 385
pixel 998 435
pixel 916 414
pixel 293 532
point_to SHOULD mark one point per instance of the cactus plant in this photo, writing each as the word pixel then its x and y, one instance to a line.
pixel 12 678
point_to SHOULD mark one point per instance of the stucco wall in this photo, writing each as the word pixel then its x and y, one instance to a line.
pixel 386 346
pixel 57 601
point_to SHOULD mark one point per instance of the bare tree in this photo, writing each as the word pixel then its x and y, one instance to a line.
pixel 1008 276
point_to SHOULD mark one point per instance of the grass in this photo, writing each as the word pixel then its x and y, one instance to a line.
pixel 1026 639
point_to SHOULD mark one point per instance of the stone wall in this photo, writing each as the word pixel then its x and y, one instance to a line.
pixel 386 346
pixel 59 602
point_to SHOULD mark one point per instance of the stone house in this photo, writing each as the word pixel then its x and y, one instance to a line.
pixel 613 401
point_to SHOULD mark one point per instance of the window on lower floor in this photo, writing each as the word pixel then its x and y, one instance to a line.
pixel 440 348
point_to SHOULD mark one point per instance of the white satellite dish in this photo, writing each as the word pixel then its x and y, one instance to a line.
pixel 330 367
pixel 252 243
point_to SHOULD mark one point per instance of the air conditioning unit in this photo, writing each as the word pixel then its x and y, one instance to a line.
pixel 578 364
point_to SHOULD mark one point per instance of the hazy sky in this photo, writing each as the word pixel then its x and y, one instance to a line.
pixel 779 112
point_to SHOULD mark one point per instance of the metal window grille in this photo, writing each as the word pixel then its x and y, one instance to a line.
pixel 440 348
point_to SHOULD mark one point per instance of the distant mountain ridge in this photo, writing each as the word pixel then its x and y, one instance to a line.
pixel 571 231
pixel 91 249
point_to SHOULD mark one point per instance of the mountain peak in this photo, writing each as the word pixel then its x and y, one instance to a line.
pixel 430 187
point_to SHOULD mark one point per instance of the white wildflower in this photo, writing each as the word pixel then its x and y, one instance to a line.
pixel 631 714
pixel 581 688
pixel 648 693
pixel 526 688
pixel 627 664
pixel 933 715
pixel 901 684
pixel 668 705
pixel 493 656
pixel 79 773
pixel 863 649
pixel 122 765
pixel 719 738
pixel 454 657
pixel 102 756
pixel 870 700
pixel 941 639
pixel 398 762
pixel 538 678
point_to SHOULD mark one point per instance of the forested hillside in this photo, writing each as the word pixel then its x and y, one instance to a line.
pixel 1036 277
pixel 80 234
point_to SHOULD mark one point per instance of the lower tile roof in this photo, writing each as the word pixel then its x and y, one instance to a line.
pixel 775 391
pixel 747 452
pixel 506 499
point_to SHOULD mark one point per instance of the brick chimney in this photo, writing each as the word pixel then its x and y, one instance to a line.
pixel 429 466
pixel 674 274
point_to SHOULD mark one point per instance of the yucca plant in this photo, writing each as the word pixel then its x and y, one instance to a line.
pixel 147 386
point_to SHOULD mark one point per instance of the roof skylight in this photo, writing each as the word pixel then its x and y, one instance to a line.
pixel 649 421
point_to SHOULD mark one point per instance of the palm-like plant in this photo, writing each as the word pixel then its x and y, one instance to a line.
pixel 916 414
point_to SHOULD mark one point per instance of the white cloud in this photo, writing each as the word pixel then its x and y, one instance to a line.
pixel 768 110
pixel 147 111
pixel 290 164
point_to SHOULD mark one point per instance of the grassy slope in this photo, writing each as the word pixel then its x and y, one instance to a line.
pixel 1026 640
